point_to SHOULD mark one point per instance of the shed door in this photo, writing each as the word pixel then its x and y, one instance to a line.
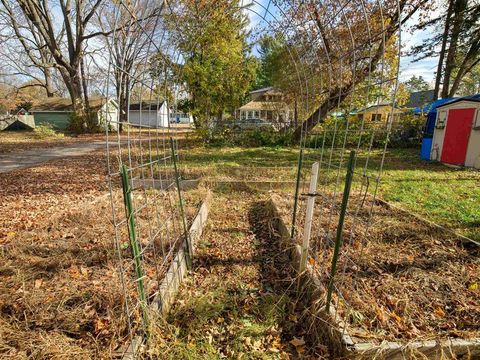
pixel 457 133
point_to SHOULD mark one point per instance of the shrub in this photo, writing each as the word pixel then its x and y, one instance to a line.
pixel 81 123
pixel 221 136
pixel 406 131
pixel 46 131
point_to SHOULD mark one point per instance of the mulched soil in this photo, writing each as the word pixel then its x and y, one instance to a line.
pixel 239 301
pixel 400 278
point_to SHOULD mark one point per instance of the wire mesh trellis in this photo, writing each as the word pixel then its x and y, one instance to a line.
pixel 142 151
pixel 343 65
pixel 350 144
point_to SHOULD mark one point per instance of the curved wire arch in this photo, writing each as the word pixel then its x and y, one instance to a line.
pixel 331 74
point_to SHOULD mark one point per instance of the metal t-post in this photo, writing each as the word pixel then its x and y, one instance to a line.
pixel 136 253
pixel 188 243
pixel 341 220
pixel 297 189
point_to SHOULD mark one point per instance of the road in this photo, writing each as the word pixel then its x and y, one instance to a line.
pixel 25 159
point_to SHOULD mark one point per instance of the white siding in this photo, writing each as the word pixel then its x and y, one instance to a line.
pixel 473 150
pixel 108 114
pixel 149 118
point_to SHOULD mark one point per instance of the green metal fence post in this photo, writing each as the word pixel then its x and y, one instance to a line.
pixel 297 189
pixel 188 248
pixel 341 220
pixel 136 253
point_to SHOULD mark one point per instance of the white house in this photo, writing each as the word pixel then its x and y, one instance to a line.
pixel 148 114
pixel 267 104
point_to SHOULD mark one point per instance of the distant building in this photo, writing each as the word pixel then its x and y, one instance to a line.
pixel 420 98
pixel 155 115
pixel 378 112
pixel 17 122
pixel 266 104
pixel 178 117
pixel 148 114
pixel 57 112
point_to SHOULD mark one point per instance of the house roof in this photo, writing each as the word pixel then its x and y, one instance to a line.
pixel 432 106
pixel 261 90
pixel 146 105
pixel 264 105
pixel 472 98
pixel 64 104
pixel 376 107
pixel 420 98
pixel 267 91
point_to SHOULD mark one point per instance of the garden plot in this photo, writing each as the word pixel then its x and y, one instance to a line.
pixel 60 292
pixel 399 279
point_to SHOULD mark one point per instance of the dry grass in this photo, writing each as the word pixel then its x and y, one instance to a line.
pixel 60 292
pixel 399 278
pixel 240 301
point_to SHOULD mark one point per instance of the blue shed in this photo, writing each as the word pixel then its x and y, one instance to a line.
pixel 431 111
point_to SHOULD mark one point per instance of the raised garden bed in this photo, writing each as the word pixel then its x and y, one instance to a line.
pixel 405 284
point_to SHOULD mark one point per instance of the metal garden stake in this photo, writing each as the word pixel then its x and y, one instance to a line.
pixel 297 189
pixel 188 247
pixel 136 253
pixel 341 220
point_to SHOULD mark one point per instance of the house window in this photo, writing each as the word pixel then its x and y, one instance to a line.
pixel 442 118
pixel 256 115
pixel 269 115
pixel 243 115
pixel 476 124
pixel 376 117
pixel 250 114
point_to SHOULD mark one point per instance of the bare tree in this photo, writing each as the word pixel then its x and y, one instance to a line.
pixel 64 34
pixel 34 62
pixel 129 43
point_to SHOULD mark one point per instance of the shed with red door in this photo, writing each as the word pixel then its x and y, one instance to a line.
pixel 456 139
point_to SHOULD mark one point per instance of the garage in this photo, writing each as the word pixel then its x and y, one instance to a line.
pixel 148 114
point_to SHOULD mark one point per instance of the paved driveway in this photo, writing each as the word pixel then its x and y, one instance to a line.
pixel 12 161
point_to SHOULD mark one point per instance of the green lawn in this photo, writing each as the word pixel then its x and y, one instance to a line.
pixel 447 196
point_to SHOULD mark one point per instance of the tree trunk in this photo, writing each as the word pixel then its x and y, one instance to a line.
pixel 295 114
pixel 49 87
pixel 441 57
pixel 462 71
pixel 338 95
pixel 459 16
pixel 76 93
pixel 335 97
pixel 84 85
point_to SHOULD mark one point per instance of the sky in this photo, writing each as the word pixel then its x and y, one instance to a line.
pixel 408 68
pixel 425 68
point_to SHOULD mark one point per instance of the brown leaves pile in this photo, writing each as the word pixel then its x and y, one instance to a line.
pixel 403 278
